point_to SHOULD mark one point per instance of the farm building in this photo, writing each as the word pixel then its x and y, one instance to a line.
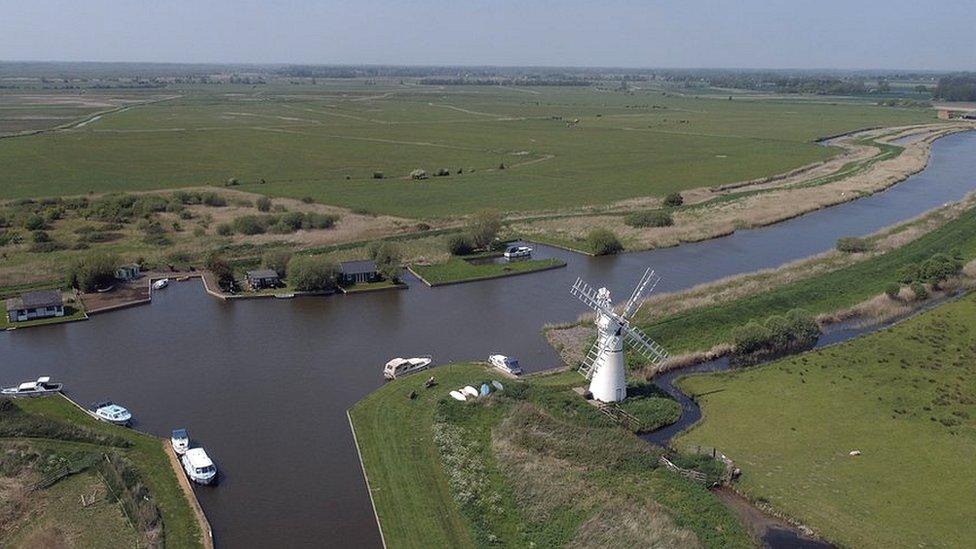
pixel 352 272
pixel 34 305
pixel 127 272
pixel 263 278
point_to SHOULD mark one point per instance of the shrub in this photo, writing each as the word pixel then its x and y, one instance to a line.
pixel 263 204
pixel 852 245
pixel 423 226
pixel 221 269
pixel 308 200
pixel 319 220
pixel 34 222
pixel 919 290
pixel 312 273
pixel 893 290
pixel 91 272
pixel 674 200
pixel 460 244
pixel 225 229
pixel 277 260
pixel 483 227
pixel 418 174
pixel 214 199
pixel 603 242
pixel 48 247
pixel 388 259
pixel 232 181
pixel 249 225
pixel 442 172
pixel 40 236
pixel 186 214
pixel 750 337
pixel 795 330
pixel 939 268
pixel 654 218
pixel 377 175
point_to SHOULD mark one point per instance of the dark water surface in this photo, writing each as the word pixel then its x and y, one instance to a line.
pixel 264 385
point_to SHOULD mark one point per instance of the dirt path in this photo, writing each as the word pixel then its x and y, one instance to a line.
pixel 767 530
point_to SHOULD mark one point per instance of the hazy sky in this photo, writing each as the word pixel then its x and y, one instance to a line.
pixel 908 34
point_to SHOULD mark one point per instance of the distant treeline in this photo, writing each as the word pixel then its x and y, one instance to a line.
pixel 503 82
pixel 957 88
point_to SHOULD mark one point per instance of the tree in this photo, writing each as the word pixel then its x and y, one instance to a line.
pixel 938 268
pixel 893 290
pixel 483 227
pixel 276 260
pixel 750 337
pixel 312 273
pixel 221 269
pixel 263 204
pixel 92 272
pixel 34 222
pixel 921 293
pixel 460 244
pixel 604 242
pixel 388 259
pixel 674 200
pixel 654 218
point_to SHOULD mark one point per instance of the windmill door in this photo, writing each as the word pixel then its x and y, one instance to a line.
pixel 621 393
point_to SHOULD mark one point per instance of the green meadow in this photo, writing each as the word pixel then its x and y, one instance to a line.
pixel 902 397
pixel 560 147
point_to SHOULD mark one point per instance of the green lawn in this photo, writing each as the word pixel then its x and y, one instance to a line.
pixel 71 313
pixel 180 526
pixel 456 269
pixel 903 397
pixel 303 144
pixel 534 465
pixel 701 328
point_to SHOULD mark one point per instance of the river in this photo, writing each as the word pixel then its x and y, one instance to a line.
pixel 265 384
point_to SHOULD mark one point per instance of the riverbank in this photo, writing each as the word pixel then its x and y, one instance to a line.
pixel 459 270
pixel 155 508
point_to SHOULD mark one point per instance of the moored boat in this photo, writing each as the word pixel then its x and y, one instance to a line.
pixel 160 284
pixel 508 364
pixel 516 252
pixel 180 440
pixel 42 386
pixel 111 412
pixel 402 366
pixel 198 466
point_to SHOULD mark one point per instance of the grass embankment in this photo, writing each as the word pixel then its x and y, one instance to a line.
pixel 703 327
pixel 363 287
pixel 534 464
pixel 903 397
pixel 457 269
pixel 52 426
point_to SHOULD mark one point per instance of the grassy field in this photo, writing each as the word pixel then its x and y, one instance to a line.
pixel 701 328
pixel 180 528
pixel 327 141
pixel 903 397
pixel 457 269
pixel 533 465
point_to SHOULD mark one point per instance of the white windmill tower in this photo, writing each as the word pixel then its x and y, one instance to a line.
pixel 604 363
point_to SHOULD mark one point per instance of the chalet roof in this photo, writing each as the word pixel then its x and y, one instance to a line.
pixel 262 273
pixel 365 266
pixel 35 300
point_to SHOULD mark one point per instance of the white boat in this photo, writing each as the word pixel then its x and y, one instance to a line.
pixel 515 252
pixel 507 364
pixel 180 441
pixel 111 412
pixel 498 385
pixel 402 366
pixel 470 391
pixel 42 386
pixel 198 466
pixel 458 395
pixel 160 284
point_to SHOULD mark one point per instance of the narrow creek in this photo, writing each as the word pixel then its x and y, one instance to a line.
pixel 264 385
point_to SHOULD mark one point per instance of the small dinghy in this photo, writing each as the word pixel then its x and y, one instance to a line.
pixel 457 395
pixel 42 386
pixel 498 385
pixel 111 412
pixel 470 391
pixel 198 466
pixel 160 284
pixel 485 391
pixel 180 441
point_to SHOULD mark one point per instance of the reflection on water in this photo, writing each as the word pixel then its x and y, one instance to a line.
pixel 264 384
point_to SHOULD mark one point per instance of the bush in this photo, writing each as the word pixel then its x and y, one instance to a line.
pixel 221 269
pixel 654 218
pixel 603 242
pixel 750 337
pixel 443 172
pixel 249 225
pixel 308 200
pixel 423 226
pixel 40 236
pixel 460 244
pixel 34 222
pixel 263 204
pixel 418 174
pixel 674 200
pixel 214 199
pixel 277 260
pixel 91 272
pixel 795 330
pixel 388 259
pixel 852 245
pixel 377 175
pixel 225 229
pixel 919 290
pixel 893 290
pixel 483 228
pixel 939 268
pixel 312 273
